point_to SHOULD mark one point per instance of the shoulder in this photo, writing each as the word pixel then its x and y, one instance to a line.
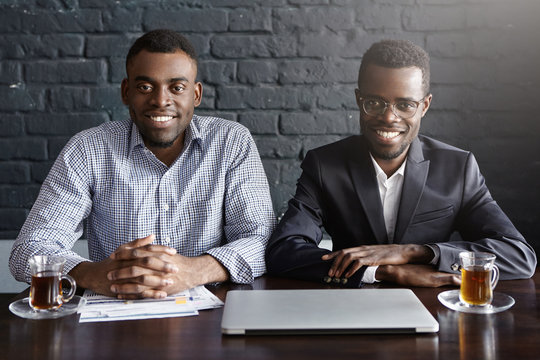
pixel 106 132
pixel 98 141
pixel 338 151
pixel 342 146
pixel 435 150
pixel 210 126
pixel 220 136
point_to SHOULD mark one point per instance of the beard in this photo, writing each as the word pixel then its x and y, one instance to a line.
pixel 388 152
pixel 154 138
pixel 389 155
pixel 159 144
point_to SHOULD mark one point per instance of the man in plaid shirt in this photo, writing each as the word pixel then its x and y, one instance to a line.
pixel 171 200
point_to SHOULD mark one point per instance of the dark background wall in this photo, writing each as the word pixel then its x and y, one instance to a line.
pixel 284 68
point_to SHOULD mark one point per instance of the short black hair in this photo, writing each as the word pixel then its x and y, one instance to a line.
pixel 162 41
pixel 397 54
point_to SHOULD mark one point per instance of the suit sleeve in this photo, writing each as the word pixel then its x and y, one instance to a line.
pixel 293 249
pixel 483 226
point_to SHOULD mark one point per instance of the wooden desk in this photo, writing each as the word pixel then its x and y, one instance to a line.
pixel 513 334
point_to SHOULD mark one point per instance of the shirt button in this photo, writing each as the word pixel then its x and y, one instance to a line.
pixel 165 207
pixel 455 267
pixel 167 240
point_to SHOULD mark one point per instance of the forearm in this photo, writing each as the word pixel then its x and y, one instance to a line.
pixel 92 276
pixel 243 258
pixel 418 254
pixel 416 275
pixel 484 226
pixel 208 269
pixel 27 245
pixel 515 259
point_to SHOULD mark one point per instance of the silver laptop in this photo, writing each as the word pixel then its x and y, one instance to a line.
pixel 329 311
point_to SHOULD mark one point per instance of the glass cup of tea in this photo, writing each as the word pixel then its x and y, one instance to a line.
pixel 46 291
pixel 479 276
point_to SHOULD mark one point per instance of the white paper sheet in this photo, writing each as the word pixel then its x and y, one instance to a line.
pixel 185 303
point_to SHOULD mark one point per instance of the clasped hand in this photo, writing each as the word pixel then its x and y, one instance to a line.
pixel 144 269
pixel 139 269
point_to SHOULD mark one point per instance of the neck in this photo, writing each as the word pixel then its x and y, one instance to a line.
pixel 169 154
pixel 390 166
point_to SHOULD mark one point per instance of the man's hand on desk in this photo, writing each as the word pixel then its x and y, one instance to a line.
pixel 352 259
pixel 139 269
pixel 416 275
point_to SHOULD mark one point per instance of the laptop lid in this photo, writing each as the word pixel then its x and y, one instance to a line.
pixel 328 311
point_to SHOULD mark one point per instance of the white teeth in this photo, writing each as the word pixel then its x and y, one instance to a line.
pixel 387 135
pixel 161 118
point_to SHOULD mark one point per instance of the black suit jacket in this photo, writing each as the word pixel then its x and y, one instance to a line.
pixel 443 192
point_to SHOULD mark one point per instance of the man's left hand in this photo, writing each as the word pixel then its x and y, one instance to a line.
pixel 352 259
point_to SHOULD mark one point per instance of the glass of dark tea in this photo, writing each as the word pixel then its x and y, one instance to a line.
pixel 479 276
pixel 46 290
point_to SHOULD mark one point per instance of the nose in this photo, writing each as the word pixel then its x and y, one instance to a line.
pixel 389 114
pixel 160 98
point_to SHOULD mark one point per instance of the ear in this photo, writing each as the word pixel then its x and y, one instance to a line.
pixel 357 95
pixel 124 91
pixel 197 93
pixel 427 103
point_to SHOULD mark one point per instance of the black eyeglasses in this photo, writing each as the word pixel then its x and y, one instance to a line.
pixel 405 109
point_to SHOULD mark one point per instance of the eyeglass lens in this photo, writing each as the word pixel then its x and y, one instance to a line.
pixel 404 108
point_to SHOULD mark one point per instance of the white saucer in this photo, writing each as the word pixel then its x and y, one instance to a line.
pixel 22 308
pixel 500 302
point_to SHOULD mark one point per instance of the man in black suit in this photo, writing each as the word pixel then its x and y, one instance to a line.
pixel 393 200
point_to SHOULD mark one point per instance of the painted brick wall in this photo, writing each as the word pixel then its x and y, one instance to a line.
pixel 284 68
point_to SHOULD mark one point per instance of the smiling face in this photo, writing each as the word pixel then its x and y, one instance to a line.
pixel 388 135
pixel 161 94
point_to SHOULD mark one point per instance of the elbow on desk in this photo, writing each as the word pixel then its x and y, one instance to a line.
pixel 522 268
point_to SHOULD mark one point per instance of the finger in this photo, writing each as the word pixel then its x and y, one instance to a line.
pixel 154 294
pixel 146 265
pixel 330 256
pixel 359 256
pixel 353 269
pixel 136 291
pixel 346 261
pixel 335 254
pixel 341 263
pixel 157 251
pixel 447 279
pixel 135 243
pixel 335 263
pixel 139 275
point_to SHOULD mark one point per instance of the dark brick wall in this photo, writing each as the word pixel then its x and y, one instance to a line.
pixel 284 68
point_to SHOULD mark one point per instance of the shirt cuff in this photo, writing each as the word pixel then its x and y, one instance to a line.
pixel 369 275
pixel 437 254
pixel 239 269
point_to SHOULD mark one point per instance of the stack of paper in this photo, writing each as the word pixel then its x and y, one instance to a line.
pixel 185 303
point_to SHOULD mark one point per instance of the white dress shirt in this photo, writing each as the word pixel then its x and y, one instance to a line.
pixel 390 192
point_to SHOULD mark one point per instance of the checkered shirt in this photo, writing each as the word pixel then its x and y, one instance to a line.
pixel 214 199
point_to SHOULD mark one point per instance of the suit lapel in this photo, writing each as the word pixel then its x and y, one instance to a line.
pixel 365 185
pixel 414 181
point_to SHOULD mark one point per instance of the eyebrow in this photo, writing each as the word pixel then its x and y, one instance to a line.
pixel 171 81
pixel 397 99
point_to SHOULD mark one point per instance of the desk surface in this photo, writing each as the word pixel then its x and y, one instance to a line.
pixel 512 334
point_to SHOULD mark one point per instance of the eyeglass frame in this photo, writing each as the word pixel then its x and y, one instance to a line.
pixel 391 105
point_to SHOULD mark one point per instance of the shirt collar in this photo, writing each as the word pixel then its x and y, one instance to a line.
pixel 193 133
pixel 380 174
